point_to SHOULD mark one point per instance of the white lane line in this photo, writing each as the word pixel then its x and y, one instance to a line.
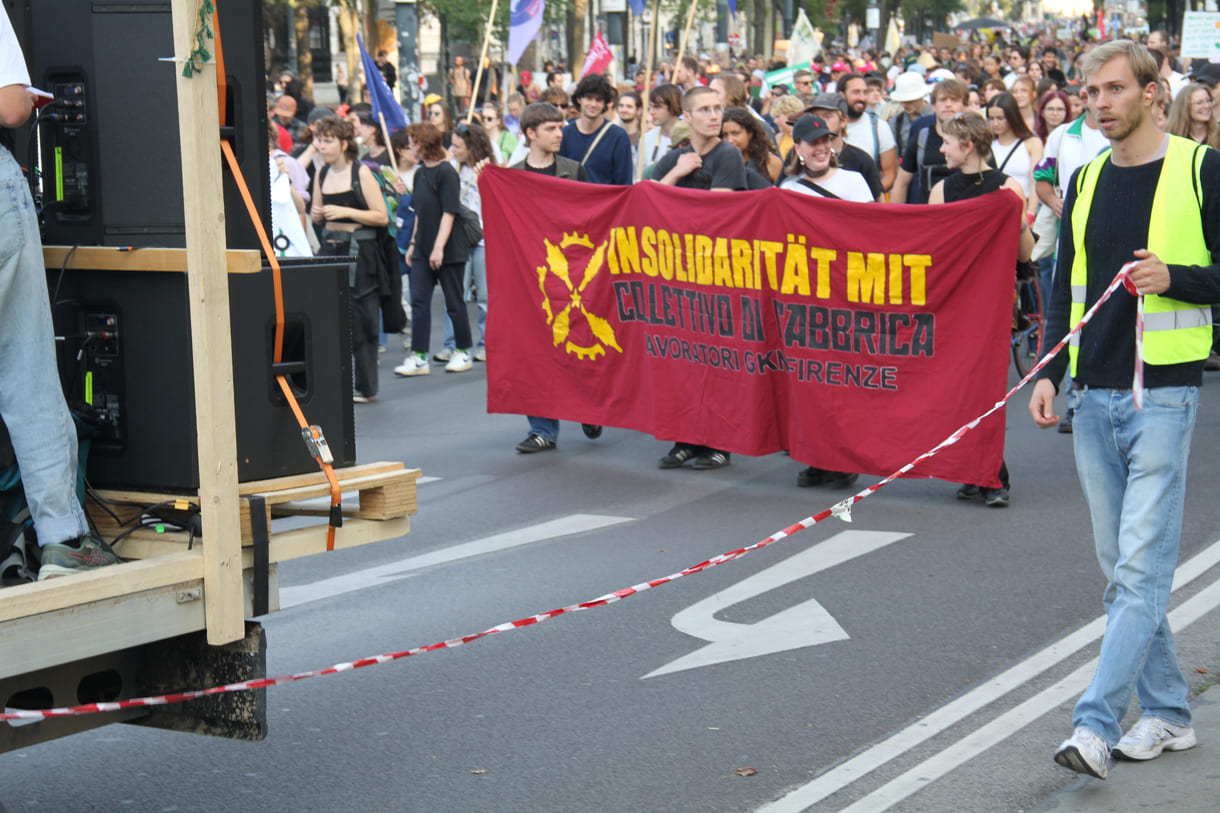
pixel 380 574
pixel 1014 720
pixel 952 713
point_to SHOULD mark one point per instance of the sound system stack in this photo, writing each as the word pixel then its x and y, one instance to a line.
pixel 111 176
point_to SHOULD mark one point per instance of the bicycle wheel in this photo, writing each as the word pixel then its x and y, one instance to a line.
pixel 1027 334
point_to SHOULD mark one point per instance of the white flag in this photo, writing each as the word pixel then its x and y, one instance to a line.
pixel 804 44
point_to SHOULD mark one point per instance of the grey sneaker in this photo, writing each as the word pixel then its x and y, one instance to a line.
pixel 1084 752
pixel 1152 735
pixel 81 555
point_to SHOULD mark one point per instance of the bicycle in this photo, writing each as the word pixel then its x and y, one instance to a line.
pixel 1026 324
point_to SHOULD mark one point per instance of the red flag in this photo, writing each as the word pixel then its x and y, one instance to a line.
pixel 855 335
pixel 599 57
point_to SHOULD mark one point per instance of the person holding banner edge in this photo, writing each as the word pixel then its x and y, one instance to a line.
pixel 966 145
pixel 706 163
pixel 542 130
pixel 1152 200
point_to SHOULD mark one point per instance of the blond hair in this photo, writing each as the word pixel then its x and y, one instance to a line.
pixel 785 105
pixel 1143 63
pixel 970 126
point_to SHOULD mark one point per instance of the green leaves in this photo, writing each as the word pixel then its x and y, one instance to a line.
pixel 201 56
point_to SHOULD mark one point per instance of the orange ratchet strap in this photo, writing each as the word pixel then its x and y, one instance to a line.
pixel 311 434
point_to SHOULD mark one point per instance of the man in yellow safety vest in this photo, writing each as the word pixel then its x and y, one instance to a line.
pixel 1153 199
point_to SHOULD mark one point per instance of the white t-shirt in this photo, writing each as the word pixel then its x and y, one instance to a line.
pixel 656 144
pixel 12 62
pixel 860 134
pixel 848 185
pixel 1070 151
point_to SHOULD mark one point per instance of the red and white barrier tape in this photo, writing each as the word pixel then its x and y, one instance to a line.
pixel 1137 383
pixel 842 510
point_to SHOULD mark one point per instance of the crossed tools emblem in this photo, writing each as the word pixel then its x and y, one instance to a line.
pixel 561 323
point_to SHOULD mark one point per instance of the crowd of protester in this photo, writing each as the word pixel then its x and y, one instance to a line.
pixel 906 127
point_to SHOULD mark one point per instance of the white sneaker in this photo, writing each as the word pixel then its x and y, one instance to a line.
pixel 480 354
pixel 1152 735
pixel 442 355
pixel 459 363
pixel 1084 752
pixel 414 365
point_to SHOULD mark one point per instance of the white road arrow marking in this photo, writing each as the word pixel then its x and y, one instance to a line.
pixel 806 624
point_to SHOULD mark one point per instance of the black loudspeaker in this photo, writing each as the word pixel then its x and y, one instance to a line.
pixel 125 349
pixel 111 160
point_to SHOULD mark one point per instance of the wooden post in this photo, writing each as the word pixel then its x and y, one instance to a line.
pixel 690 19
pixel 478 77
pixel 211 348
pixel 652 41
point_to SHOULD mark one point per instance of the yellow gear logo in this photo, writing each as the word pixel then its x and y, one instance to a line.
pixel 588 344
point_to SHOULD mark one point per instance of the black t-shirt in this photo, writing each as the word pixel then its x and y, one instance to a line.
pixel 932 159
pixel 962 186
pixel 723 168
pixel 552 170
pixel 1117 226
pixel 857 160
pixel 436 191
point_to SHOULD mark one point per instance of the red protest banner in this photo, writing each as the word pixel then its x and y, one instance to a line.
pixel 855 335
pixel 599 57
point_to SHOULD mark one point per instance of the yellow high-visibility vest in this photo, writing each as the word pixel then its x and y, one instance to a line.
pixel 1174 331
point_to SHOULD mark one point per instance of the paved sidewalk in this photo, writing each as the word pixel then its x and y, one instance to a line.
pixel 1185 781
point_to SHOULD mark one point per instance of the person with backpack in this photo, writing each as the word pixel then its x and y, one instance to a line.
pixel 865 130
pixel 348 204
pixel 436 253
pixel 923 165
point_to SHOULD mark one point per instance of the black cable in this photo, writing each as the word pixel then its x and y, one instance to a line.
pixel 62 270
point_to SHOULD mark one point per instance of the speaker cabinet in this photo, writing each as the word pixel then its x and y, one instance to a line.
pixel 111 160
pixel 126 350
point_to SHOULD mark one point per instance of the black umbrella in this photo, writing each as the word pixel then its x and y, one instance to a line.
pixel 981 22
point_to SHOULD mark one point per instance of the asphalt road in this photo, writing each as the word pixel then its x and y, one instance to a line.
pixel 847 656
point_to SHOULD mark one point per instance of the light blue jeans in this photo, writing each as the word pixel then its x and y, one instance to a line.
pixel 31 399
pixel 474 289
pixel 1132 467
pixel 546 428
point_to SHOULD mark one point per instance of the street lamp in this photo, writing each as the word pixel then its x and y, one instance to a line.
pixel 872 21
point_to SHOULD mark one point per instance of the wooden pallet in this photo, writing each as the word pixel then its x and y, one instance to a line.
pixel 385 499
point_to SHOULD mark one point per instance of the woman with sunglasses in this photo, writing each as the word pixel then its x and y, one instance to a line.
pixel 440 116
pixel 503 141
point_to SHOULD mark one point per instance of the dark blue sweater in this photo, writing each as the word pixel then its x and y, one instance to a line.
pixel 610 162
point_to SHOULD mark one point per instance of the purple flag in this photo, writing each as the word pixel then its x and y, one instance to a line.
pixel 380 94
pixel 523 25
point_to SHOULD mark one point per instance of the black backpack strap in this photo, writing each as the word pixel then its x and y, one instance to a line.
pixel 826 193
pixel 357 192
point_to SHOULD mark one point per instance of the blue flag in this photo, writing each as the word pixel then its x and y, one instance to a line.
pixel 523 25
pixel 637 7
pixel 384 103
pixel 733 7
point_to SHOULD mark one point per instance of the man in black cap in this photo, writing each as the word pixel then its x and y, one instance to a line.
pixel 832 109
